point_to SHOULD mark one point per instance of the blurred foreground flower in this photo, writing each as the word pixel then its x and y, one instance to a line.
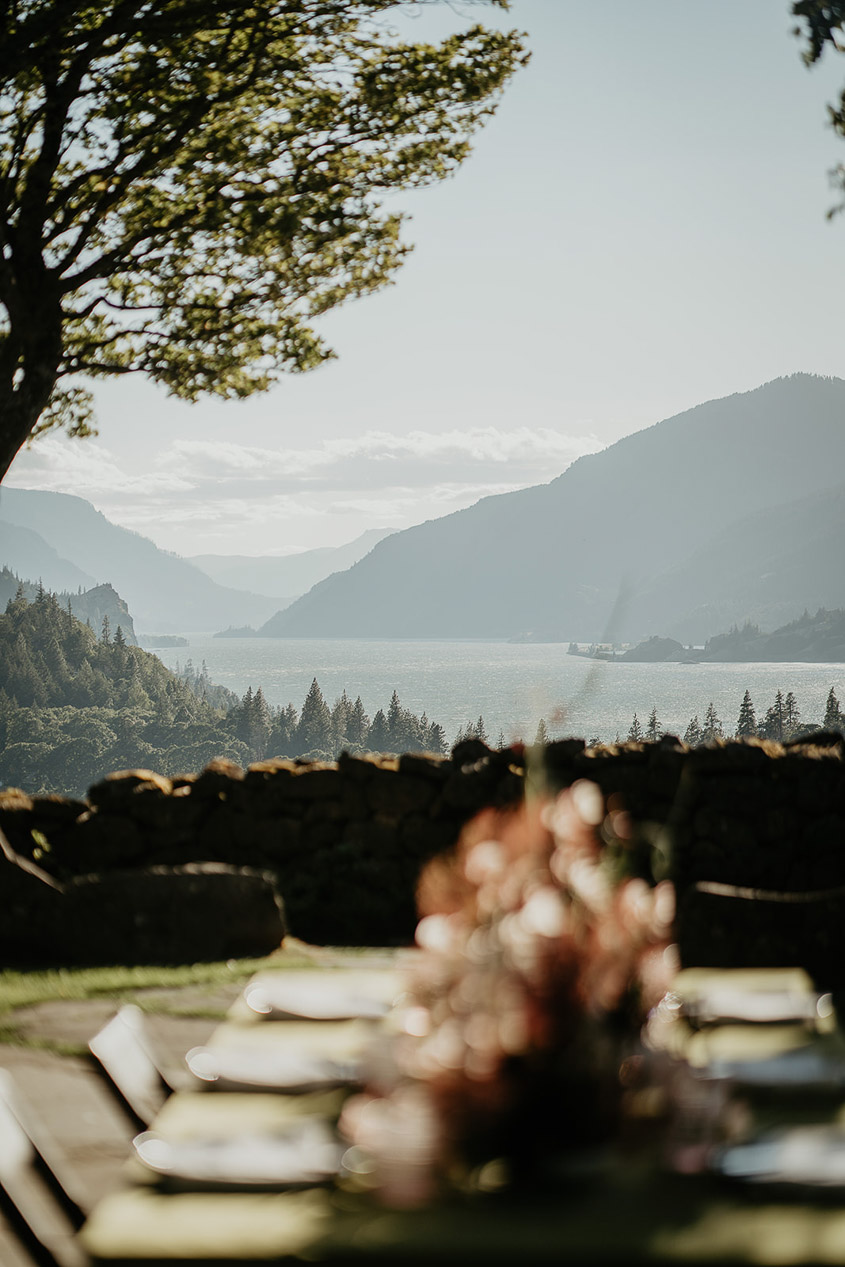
pixel 536 973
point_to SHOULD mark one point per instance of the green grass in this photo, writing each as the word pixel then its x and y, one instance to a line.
pixel 24 989
pixel 11 1036
pixel 20 990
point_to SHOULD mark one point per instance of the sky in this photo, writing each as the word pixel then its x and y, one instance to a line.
pixel 640 228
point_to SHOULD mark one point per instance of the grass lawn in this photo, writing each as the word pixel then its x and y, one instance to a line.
pixel 190 987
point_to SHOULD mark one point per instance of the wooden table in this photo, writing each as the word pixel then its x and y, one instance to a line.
pixel 629 1213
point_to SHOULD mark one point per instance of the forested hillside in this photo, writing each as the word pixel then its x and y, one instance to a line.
pixel 89 606
pixel 75 705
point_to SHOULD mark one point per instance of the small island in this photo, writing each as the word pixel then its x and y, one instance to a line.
pixel 818 639
pixel 242 631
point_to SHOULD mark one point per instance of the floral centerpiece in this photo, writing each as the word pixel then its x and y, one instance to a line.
pixel 537 965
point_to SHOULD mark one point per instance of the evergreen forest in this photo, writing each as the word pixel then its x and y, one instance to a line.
pixel 781 722
pixel 76 705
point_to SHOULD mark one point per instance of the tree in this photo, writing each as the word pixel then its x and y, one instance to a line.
pixel 692 734
pixel 712 728
pixel 774 723
pixel 635 731
pixel 746 725
pixel 472 730
pixel 379 734
pixel 542 735
pixel 653 731
pixel 185 186
pixel 341 718
pixel 359 724
pixel 314 733
pixel 833 719
pixel 792 715
pixel 823 24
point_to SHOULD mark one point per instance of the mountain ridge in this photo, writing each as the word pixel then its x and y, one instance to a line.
pixel 567 557
pixel 165 593
pixel 286 575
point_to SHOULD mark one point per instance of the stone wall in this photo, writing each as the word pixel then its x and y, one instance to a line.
pixel 346 841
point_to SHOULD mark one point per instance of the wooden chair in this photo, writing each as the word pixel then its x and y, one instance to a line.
pixel 50 1162
pixel 41 1226
pixel 123 1055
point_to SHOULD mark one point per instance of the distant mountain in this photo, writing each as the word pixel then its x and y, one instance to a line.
pixel 619 536
pixel 28 554
pixel 164 592
pixel 766 568
pixel 286 574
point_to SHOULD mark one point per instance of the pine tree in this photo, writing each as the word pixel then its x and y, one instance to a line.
pixel 653 731
pixel 692 734
pixel 261 725
pixel 314 733
pixel 833 719
pixel 712 728
pixel 282 742
pixel 105 635
pixel 635 731
pixel 792 715
pixel 774 723
pixel 341 718
pixel 394 717
pixel 542 735
pixel 746 726
pixel 359 725
pixel 379 734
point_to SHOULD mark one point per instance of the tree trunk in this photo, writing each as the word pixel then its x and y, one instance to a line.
pixel 30 356
pixel 18 418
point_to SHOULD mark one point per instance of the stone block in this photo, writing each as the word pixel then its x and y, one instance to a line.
pixel 118 790
pixel 420 766
pixel 395 795
pixel 101 841
pixel 191 914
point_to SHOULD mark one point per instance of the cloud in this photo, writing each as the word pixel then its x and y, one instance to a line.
pixel 214 495
pixel 385 459
pixel 59 465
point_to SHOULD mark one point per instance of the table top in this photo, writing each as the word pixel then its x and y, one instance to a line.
pixel 625 1210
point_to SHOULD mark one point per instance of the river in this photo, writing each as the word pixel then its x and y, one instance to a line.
pixel 511 685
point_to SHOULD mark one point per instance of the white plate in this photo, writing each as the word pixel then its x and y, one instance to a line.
pixel 246 1069
pixel 307 1154
pixel 806 1066
pixel 809 1155
pixel 274 997
pixel 725 1004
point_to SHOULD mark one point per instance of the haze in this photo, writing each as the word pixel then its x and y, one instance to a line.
pixel 641 228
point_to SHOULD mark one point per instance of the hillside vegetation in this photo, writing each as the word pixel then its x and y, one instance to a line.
pixel 75 705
